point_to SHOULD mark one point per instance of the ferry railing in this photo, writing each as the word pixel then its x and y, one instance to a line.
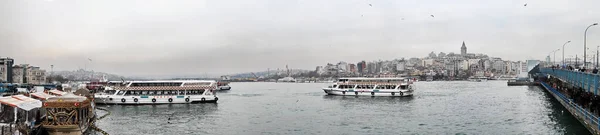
pixel 589 82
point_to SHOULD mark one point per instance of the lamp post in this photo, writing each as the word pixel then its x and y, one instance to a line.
pixel 563 52
pixel 597 48
pixel 584 43
pixel 554 62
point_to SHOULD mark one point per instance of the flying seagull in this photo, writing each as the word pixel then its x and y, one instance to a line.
pixel 402 18
pixel 370 5
pixel 432 16
pixel 525 5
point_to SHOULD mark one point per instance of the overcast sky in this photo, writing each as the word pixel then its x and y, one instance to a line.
pixel 176 37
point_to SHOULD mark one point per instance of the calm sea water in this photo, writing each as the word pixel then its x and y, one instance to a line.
pixel 303 108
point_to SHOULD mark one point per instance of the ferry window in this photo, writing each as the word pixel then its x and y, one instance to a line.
pixel 181 92
pixel 159 92
pixel 173 92
pixel 144 92
pixel 380 87
pixel 120 92
pixel 200 91
pixel 136 92
pixel 128 93
pixel 193 92
pixel 334 86
pixel 151 92
pixel 187 92
pixel 403 87
pixel 110 92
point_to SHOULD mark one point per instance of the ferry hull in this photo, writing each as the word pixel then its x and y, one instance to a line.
pixel 387 93
pixel 66 130
pixel 224 88
pixel 131 100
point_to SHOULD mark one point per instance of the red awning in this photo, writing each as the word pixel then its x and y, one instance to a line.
pixel 57 92
pixel 41 95
pixel 21 101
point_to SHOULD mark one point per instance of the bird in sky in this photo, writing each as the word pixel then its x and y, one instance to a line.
pixel 432 16
pixel 525 5
pixel 370 5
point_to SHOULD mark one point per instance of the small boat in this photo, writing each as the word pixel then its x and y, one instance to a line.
pixel 160 92
pixel 223 86
pixel 371 87
pixel 477 79
pixel 286 79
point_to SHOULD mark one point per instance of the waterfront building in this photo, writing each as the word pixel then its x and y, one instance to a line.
pixel 6 70
pixel 24 73
pixel 362 66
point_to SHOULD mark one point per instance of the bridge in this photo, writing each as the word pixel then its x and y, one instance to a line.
pixel 563 84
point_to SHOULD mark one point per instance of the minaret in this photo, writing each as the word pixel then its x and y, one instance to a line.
pixel 463 49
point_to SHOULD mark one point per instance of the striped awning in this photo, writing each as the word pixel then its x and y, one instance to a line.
pixel 41 95
pixel 24 98
pixel 22 102
pixel 166 88
pixel 57 92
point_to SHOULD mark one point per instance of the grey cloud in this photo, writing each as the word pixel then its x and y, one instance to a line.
pixel 193 37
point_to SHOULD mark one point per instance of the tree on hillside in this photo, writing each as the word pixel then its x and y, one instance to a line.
pixel 57 78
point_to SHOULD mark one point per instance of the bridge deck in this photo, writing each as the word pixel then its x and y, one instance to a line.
pixel 588 81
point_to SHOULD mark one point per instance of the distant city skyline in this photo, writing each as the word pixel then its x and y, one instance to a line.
pixel 159 38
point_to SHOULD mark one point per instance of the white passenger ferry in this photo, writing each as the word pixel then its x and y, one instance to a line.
pixel 371 87
pixel 160 92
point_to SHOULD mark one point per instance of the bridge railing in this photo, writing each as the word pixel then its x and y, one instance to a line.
pixel 588 81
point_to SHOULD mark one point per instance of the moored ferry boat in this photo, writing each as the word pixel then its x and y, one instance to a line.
pixel 68 114
pixel 371 87
pixel 160 92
